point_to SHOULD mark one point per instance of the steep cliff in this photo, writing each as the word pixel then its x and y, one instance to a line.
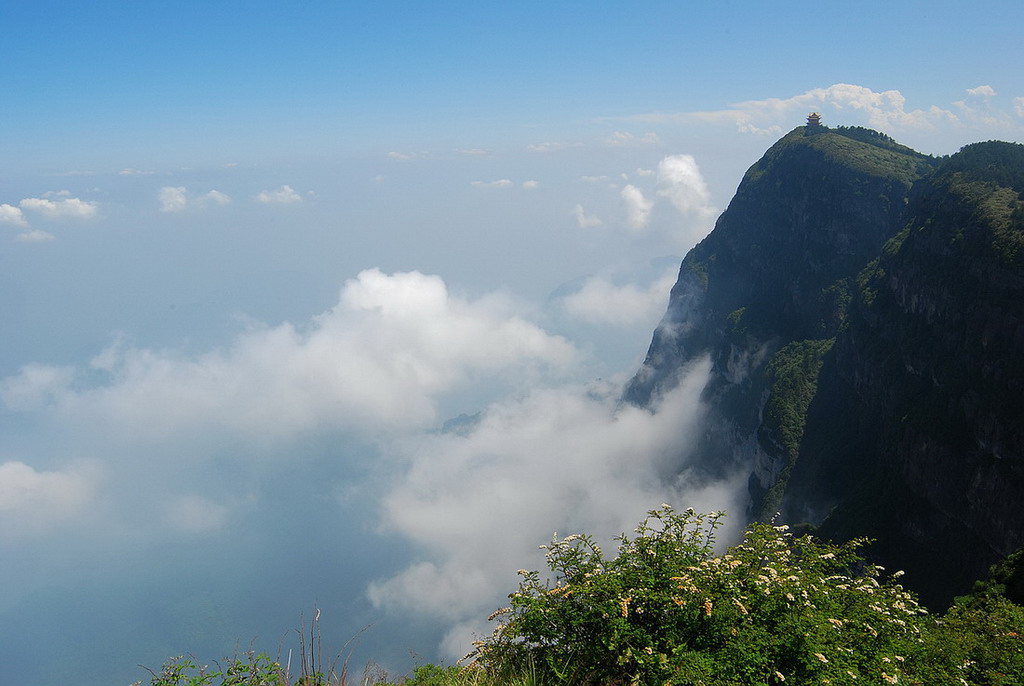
pixel 916 434
pixel 862 305
pixel 779 267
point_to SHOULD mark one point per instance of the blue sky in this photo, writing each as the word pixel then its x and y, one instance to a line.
pixel 190 81
pixel 254 256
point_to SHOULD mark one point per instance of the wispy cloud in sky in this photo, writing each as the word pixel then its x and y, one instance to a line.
pixel 638 207
pixel 601 301
pixel 584 220
pixel 498 183
pixel 65 207
pixel 843 103
pixel 984 91
pixel 173 198
pixel 282 195
pixel 32 501
pixel 35 236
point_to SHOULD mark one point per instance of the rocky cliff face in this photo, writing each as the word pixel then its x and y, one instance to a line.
pixel 916 434
pixel 863 306
pixel 779 267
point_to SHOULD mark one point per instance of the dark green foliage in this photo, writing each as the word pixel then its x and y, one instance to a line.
pixel 432 675
pixel 876 138
pixel 975 200
pixel 994 162
pixel 868 281
pixel 979 644
pixel 251 669
pixel 983 632
pixel 792 376
pixel 1006 579
pixel 792 379
pixel 863 150
pixel 699 271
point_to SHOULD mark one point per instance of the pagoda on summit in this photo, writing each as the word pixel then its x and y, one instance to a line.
pixel 813 120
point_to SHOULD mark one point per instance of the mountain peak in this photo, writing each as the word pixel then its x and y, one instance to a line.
pixel 862 305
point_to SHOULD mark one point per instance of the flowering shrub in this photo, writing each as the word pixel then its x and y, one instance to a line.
pixel 775 608
pixel 248 670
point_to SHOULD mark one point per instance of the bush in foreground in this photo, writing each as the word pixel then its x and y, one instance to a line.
pixel 775 608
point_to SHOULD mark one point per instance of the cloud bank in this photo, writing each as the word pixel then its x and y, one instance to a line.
pixel 32 501
pixel 478 503
pixel 379 360
pixel 600 301
pixel 180 446
pixel 850 104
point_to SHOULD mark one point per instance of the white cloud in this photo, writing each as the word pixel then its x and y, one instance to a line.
pixel 1018 106
pixel 378 361
pixel 638 208
pixel 584 220
pixel 599 301
pixel 195 514
pixel 66 208
pixel 640 171
pixel 564 460
pixel 173 198
pixel 35 385
pixel 474 152
pixel 406 155
pixel 747 127
pixel 9 214
pixel 550 147
pixel 35 236
pixel 622 139
pixel 215 198
pixel 594 179
pixel 282 195
pixel 178 199
pixel 500 183
pixel 680 181
pixel 32 500
pixel 886 111
pixel 985 91
pixel 531 184
pixel 135 172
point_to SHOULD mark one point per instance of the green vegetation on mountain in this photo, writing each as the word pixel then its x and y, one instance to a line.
pixel 792 377
pixel 863 150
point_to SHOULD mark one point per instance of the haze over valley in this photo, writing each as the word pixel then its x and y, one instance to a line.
pixel 333 308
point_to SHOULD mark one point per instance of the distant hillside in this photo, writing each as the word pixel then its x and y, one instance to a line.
pixel 863 305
